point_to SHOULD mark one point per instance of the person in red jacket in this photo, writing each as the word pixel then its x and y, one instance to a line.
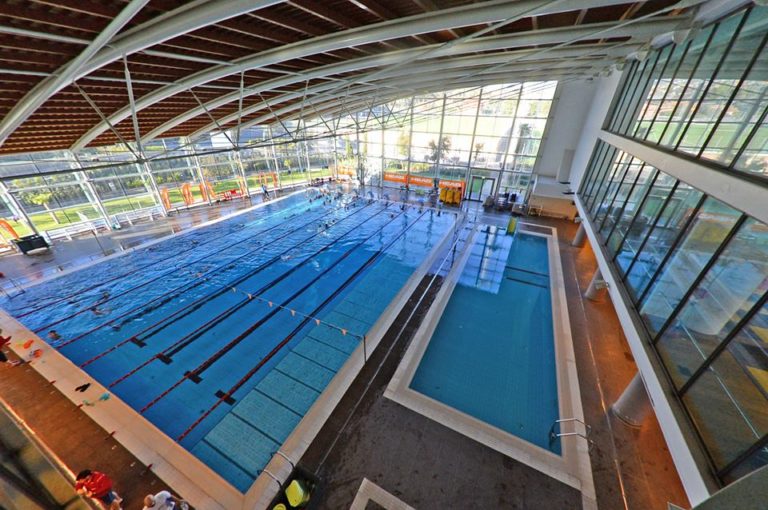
pixel 98 486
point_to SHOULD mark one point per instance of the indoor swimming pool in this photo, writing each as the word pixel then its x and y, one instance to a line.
pixel 492 353
pixel 224 336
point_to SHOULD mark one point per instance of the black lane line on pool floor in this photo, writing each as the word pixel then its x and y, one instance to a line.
pixel 168 295
pixel 195 373
pixel 132 271
pixel 228 394
pixel 197 332
pixel 158 277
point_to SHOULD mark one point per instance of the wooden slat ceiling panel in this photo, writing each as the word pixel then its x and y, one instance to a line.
pixel 66 116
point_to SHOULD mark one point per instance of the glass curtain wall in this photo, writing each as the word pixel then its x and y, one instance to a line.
pixel 696 270
pixel 706 98
pixel 486 137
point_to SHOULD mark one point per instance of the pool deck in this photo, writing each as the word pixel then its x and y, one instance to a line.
pixel 416 460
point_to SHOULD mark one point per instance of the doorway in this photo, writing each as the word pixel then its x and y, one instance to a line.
pixel 481 187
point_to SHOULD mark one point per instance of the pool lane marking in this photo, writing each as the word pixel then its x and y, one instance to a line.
pixel 526 271
pixel 132 271
pixel 154 279
pixel 195 333
pixel 224 396
pixel 184 287
pixel 195 373
pixel 527 283
pixel 255 295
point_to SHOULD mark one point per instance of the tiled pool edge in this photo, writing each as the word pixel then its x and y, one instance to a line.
pixel 180 469
pixel 264 489
pixel 573 468
pixel 153 242
pixel 169 460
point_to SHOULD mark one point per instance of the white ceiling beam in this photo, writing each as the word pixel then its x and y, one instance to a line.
pixel 473 14
pixel 65 74
pixel 418 84
pixel 642 31
pixel 577 57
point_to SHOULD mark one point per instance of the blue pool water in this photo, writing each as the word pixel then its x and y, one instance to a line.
pixel 227 375
pixel 492 354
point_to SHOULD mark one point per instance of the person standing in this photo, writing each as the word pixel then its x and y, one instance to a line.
pixel 96 485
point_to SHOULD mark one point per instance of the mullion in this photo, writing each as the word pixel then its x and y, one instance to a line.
pixel 653 92
pixel 590 169
pixel 632 223
pixel 712 78
pixel 629 195
pixel 599 176
pixel 624 94
pixel 629 96
pixel 616 194
pixel 671 248
pixel 703 273
pixel 752 134
pixel 760 443
pixel 628 76
pixel 625 128
pixel 654 223
pixel 724 343
pixel 613 169
pixel 688 82
pixel 736 90
pixel 666 92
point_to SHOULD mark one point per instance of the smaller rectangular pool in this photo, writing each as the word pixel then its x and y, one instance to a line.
pixel 492 354
pixel 493 358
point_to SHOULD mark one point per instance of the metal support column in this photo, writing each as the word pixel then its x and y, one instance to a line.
pixel 595 286
pixel 581 235
pixel 199 169
pixel 17 208
pixel 633 406
pixel 440 138
pixel 241 168
pixel 468 171
pixel 83 180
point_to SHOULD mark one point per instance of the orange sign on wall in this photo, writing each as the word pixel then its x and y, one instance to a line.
pixel 417 180
pixel 401 178
pixel 421 181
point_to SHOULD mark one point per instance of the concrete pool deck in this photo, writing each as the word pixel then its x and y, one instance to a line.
pixel 420 462
pixel 572 467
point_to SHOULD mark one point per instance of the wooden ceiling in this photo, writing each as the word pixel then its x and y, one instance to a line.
pixel 189 65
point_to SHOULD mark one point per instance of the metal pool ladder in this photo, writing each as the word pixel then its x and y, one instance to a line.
pixel 553 434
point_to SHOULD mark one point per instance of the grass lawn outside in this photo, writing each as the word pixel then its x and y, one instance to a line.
pixel 44 220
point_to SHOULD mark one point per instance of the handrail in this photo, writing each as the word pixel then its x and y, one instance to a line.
pixel 553 436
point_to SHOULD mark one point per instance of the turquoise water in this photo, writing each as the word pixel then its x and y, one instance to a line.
pixel 221 371
pixel 492 354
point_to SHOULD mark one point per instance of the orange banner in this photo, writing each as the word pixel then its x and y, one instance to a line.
pixel 445 183
pixel 415 180
pixel 401 178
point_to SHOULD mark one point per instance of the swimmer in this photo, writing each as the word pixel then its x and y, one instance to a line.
pixel 95 310
pixel 54 335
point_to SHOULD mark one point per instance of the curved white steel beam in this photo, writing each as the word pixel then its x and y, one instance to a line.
pixel 473 14
pixel 440 85
pixel 65 74
pixel 418 84
pixel 99 53
pixel 577 56
pixel 642 31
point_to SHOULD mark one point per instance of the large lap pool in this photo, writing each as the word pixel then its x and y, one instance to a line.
pixel 224 336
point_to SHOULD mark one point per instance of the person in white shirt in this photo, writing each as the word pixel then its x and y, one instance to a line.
pixel 163 500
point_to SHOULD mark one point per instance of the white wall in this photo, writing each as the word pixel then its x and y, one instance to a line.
pixel 571 106
pixel 590 124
